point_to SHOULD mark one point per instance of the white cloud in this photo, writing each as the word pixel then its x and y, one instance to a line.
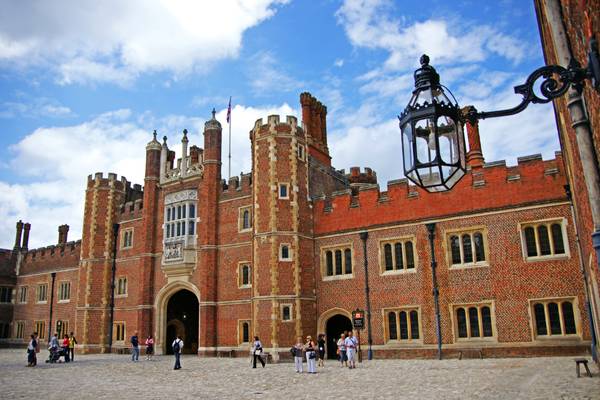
pixel 117 40
pixel 54 163
pixel 339 63
pixel 267 75
pixel 34 108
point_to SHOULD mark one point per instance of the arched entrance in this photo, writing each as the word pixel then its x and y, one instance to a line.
pixel 335 326
pixel 182 320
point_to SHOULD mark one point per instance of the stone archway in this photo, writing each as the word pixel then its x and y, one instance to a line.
pixel 163 319
pixel 182 321
pixel 333 322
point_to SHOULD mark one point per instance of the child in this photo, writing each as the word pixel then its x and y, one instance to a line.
pixel 298 354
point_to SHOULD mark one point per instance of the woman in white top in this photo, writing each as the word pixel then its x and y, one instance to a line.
pixel 257 351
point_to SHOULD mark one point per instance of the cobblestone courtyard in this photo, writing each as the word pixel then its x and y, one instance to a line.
pixel 115 377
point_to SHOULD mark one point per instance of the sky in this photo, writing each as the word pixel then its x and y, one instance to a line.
pixel 84 83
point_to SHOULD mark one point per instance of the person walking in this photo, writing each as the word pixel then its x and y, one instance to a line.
pixel 65 347
pixel 341 344
pixel 177 347
pixel 149 347
pixel 351 343
pixel 321 349
pixel 311 355
pixel 72 343
pixel 257 351
pixel 37 348
pixel 31 351
pixel 135 347
pixel 298 354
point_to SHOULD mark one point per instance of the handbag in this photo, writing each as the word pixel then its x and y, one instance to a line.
pixel 312 355
pixel 257 352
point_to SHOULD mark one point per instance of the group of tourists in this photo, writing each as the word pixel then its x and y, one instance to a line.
pixel 313 351
pixel 135 347
pixel 64 348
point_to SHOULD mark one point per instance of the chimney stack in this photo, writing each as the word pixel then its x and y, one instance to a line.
pixel 474 155
pixel 26 229
pixel 19 234
pixel 63 231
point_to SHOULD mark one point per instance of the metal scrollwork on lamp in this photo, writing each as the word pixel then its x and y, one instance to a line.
pixel 431 125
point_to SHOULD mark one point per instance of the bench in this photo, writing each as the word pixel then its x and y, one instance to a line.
pixel 583 361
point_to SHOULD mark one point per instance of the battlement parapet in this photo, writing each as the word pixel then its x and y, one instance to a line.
pixel 131 209
pixel 495 186
pixel 275 126
pixel 42 253
pixel 190 165
pixel 98 180
pixel 236 186
pixel 356 177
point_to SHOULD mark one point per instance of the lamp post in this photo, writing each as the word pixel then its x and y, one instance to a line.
pixel 53 276
pixel 433 143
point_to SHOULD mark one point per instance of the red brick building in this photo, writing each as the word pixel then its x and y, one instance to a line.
pixel 280 253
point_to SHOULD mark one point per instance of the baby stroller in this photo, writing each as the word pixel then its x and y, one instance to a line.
pixel 55 354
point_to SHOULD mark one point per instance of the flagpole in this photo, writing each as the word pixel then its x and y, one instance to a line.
pixel 229 147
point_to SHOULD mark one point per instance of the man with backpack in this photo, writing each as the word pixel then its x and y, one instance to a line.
pixel 177 347
pixel 135 348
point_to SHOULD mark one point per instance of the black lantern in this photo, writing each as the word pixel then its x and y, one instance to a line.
pixel 433 143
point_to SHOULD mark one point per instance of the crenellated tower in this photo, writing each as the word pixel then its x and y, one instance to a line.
pixel 283 300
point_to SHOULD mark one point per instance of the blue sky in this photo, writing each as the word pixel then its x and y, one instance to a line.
pixel 84 83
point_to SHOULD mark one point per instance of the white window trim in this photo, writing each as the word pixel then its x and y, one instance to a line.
pixel 16 328
pixel 548 222
pixel 561 337
pixel 37 287
pixel 281 307
pixel 241 332
pixel 19 294
pixel 403 239
pixel 471 230
pixel 287 185
pixel 123 234
pixel 117 295
pixel 10 290
pixel 59 293
pixel 397 310
pixel 124 331
pixel 303 156
pixel 341 246
pixel 290 253
pixel 479 304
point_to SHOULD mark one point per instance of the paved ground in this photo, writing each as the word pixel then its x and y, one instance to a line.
pixel 115 377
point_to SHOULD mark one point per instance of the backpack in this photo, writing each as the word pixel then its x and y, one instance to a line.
pixel 176 347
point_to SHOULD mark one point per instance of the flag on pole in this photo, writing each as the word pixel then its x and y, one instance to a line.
pixel 229 111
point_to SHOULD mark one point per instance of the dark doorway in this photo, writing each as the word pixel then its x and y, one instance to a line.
pixel 182 319
pixel 336 325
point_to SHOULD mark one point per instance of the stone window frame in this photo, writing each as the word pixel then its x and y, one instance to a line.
pixel 63 330
pixel 548 222
pixel 574 300
pixel 37 293
pixel 4 329
pixel 479 305
pixel 180 203
pixel 290 252
pixel 287 191
pixel 241 211
pixel 36 328
pixel 343 247
pixel 397 311
pixel 19 329
pixel 60 292
pixel 301 152
pixel 127 238
pixel 393 240
pixel 6 297
pixel 23 292
pixel 471 231
pixel 291 307
pixel 123 331
pixel 240 332
pixel 240 274
pixel 118 293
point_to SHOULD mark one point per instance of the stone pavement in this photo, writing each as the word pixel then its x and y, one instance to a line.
pixel 116 377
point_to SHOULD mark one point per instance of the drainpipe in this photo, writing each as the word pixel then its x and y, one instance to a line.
pixel 53 275
pixel 364 236
pixel 436 300
pixel 588 305
pixel 579 119
pixel 112 286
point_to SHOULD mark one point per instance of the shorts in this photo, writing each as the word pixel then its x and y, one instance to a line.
pixel 350 354
pixel 149 349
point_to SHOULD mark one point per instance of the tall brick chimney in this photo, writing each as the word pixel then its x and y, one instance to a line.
pixel 63 231
pixel 19 234
pixel 314 123
pixel 26 229
pixel 474 155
